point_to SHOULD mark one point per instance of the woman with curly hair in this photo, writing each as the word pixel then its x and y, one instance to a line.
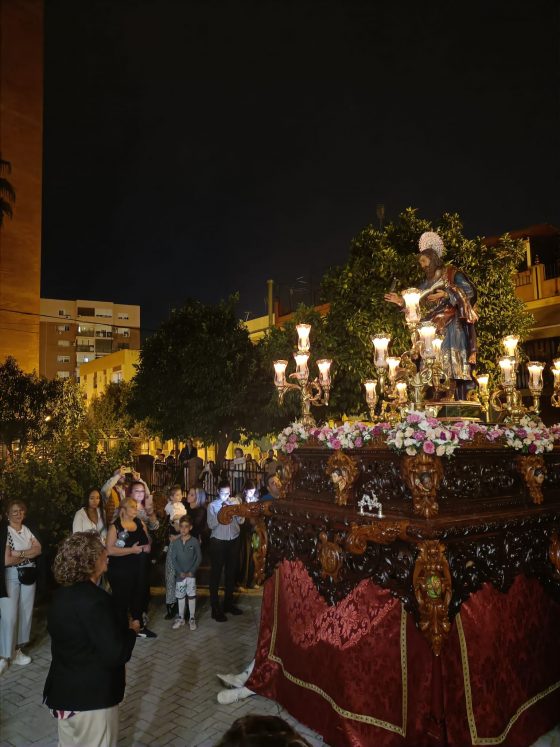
pixel 90 647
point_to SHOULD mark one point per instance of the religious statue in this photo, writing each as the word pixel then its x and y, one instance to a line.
pixel 451 297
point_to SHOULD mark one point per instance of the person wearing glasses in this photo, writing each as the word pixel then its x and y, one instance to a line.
pixel 20 547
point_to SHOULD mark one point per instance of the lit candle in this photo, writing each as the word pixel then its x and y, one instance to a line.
pixel 324 366
pixel 483 383
pixel 506 364
pixel 556 374
pixel 370 385
pixel 427 333
pixel 510 344
pixel 436 345
pixel 280 373
pixel 393 364
pixel 556 362
pixel 401 392
pixel 301 359
pixel 411 298
pixel 535 369
pixel 303 331
pixel 381 343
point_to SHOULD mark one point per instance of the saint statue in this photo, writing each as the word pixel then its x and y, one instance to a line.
pixel 450 310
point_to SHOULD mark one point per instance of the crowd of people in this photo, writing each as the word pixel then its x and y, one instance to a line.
pixel 110 550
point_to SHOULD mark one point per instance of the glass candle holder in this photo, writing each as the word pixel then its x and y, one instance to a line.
pixel 411 298
pixel 280 373
pixel 535 369
pixel 380 344
pixel 427 333
pixel 402 394
pixel 507 366
pixel 393 363
pixel 303 331
pixel 510 344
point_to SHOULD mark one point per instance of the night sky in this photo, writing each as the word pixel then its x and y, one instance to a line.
pixel 198 148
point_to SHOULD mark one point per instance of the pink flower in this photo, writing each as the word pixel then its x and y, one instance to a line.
pixel 428 447
pixel 335 443
pixel 419 436
pixel 413 418
pixel 292 439
pixel 290 448
pixel 358 443
pixel 532 448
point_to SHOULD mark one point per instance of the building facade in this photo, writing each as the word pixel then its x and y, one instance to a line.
pixel 76 332
pixel 114 368
pixel 21 144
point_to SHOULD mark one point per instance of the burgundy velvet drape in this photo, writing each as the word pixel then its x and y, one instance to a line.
pixel 359 672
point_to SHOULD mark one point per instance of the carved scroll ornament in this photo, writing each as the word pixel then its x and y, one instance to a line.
pixel 260 547
pixel 431 581
pixel 554 550
pixel 381 532
pixel 423 474
pixel 343 472
pixel 330 556
pixel 533 471
pixel 289 467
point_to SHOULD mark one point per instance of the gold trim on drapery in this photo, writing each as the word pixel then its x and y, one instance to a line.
pixel 475 739
pixel 360 717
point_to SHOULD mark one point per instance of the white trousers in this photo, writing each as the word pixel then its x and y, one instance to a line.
pixel 92 728
pixel 16 611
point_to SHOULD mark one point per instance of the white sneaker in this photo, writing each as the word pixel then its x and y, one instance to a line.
pixel 21 658
pixel 225 697
pixel 179 622
pixel 235 680
pixel 4 664
pixel 192 623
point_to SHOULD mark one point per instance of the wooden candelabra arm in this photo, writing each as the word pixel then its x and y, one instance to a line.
pixel 246 510
pixel 381 532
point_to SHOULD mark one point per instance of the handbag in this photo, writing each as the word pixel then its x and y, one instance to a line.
pixel 27 575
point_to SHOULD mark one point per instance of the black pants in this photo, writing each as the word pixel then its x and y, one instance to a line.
pixel 223 554
pixel 128 584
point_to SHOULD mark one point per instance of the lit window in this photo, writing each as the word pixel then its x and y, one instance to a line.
pixel 63 374
pixel 63 358
pixel 122 315
pixel 63 343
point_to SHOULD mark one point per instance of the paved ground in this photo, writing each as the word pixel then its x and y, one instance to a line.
pixel 172 685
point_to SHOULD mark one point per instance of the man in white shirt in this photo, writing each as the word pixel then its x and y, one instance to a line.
pixel 224 553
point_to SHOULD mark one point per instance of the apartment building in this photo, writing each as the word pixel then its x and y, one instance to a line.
pixel 97 374
pixel 76 332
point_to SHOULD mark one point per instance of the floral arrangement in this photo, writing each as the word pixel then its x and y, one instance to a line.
pixel 349 435
pixel 422 433
pixel 529 436
pixel 418 433
pixel 291 438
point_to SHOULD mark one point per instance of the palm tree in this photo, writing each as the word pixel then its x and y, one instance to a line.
pixel 7 192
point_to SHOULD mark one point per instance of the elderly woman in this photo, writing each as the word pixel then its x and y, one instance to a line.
pixel 128 547
pixel 90 647
pixel 20 548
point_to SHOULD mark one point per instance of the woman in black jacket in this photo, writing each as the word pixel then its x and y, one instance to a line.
pixel 90 647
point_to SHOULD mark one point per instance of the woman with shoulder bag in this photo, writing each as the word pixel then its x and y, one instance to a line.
pixel 16 608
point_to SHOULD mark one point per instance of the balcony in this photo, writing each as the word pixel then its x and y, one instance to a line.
pixel 539 287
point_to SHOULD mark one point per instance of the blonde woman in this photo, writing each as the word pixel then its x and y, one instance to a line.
pixel 128 547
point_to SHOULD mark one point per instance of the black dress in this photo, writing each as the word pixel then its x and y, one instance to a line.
pixel 128 574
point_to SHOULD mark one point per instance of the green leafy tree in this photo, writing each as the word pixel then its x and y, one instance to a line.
pixel 7 192
pixel 358 309
pixel 197 376
pixel 34 409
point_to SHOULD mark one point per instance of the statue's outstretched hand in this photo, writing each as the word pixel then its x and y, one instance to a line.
pixel 394 298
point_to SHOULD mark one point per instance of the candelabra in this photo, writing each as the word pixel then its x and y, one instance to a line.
pixel 312 392
pixel 555 399
pixel 535 369
pixel 512 409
